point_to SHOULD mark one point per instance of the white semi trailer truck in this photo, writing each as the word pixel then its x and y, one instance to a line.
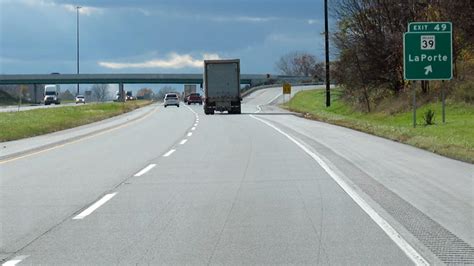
pixel 51 94
pixel 222 86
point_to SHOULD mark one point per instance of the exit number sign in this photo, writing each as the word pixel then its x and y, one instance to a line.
pixel 427 51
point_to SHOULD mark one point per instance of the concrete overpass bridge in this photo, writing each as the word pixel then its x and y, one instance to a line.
pixel 121 79
pixel 131 78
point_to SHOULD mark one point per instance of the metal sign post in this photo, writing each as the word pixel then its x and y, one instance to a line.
pixel 414 104
pixel 443 102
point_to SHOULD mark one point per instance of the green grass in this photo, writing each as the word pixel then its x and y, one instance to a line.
pixel 17 125
pixel 454 139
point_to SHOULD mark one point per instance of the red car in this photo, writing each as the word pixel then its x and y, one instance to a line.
pixel 194 98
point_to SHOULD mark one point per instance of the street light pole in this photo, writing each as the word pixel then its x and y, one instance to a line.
pixel 326 37
pixel 77 44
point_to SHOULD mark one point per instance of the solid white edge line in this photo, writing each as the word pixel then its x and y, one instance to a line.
pixel 274 99
pixel 190 134
pixel 15 260
pixel 381 222
pixel 94 206
pixel 144 170
pixel 191 110
pixel 169 153
pixel 193 128
pixel 183 141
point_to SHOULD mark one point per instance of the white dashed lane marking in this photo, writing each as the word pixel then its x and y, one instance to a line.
pixel 169 153
pixel 14 261
pixel 144 170
pixel 94 206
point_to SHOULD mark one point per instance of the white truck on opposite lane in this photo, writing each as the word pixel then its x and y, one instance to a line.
pixel 51 94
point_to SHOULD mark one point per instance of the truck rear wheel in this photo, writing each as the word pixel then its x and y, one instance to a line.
pixel 235 110
pixel 208 111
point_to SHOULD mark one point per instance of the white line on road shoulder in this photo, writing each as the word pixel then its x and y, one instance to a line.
pixel 15 260
pixel 191 110
pixel 144 170
pixel 381 222
pixel 169 153
pixel 190 134
pixel 272 100
pixel 183 141
pixel 94 206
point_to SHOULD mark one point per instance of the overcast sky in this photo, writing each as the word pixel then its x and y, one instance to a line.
pixel 155 36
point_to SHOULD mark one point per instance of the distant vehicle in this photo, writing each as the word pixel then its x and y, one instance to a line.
pixel 194 98
pixel 51 94
pixel 171 99
pixel 80 99
pixel 117 96
pixel 222 86
pixel 129 96
pixel 188 89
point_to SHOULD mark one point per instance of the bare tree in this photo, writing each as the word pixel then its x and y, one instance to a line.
pixel 67 95
pixel 300 64
pixel 100 92
pixel 145 93
pixel 161 93
pixel 370 36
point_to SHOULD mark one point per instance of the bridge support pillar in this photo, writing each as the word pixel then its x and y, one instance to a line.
pixel 35 93
pixel 122 92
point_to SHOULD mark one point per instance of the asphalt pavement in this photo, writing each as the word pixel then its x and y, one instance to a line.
pixel 265 187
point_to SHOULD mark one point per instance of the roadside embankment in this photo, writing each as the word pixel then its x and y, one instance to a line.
pixel 18 125
pixel 454 139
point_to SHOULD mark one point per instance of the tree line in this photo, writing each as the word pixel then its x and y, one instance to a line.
pixel 368 43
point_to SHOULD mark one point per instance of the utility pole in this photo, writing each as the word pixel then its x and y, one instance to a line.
pixel 77 44
pixel 326 36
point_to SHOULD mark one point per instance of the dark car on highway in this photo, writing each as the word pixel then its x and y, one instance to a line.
pixel 194 98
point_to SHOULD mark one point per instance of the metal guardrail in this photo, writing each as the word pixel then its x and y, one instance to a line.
pixel 251 90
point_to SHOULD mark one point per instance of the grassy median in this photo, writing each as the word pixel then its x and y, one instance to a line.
pixel 24 124
pixel 454 139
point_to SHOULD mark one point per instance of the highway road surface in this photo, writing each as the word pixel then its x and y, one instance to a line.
pixel 266 187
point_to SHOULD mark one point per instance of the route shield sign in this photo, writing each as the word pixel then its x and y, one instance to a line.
pixel 427 51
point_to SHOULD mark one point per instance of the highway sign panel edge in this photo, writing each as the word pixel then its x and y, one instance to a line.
pixel 430 22
pixel 420 33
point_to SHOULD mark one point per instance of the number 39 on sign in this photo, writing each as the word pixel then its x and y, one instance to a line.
pixel 428 42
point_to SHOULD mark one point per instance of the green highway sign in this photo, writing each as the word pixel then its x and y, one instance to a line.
pixel 427 55
pixel 430 27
